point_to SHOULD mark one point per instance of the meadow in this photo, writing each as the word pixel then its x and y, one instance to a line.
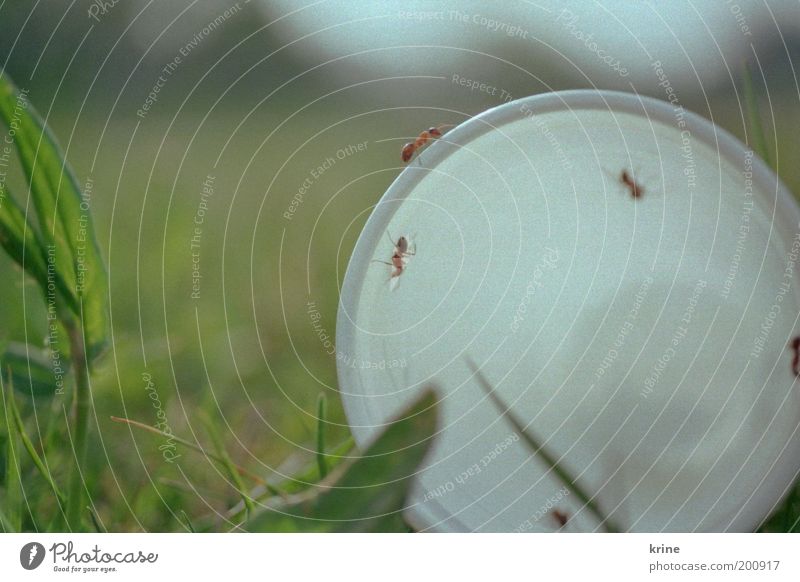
pixel 225 230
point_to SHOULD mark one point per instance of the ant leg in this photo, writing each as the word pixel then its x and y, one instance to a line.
pixel 379 261
pixel 413 244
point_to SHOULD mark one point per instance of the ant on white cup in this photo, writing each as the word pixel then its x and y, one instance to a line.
pixel 402 251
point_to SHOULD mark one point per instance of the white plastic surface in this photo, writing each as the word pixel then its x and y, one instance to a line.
pixel 644 340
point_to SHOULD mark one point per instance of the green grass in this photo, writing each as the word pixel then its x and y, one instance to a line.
pixel 205 356
pixel 260 447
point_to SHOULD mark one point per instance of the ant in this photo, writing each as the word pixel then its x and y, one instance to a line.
pixel 413 147
pixel 560 517
pixel 795 345
pixel 401 252
pixel 636 190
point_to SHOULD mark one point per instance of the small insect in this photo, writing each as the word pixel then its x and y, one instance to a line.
pixel 413 147
pixel 399 256
pixel 626 178
pixel 560 517
pixel 795 345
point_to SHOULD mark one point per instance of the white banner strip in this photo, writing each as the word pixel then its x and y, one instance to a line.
pixel 389 557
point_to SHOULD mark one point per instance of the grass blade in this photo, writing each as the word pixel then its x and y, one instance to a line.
pixel 26 442
pixel 80 431
pixel 95 521
pixel 322 461
pixel 299 482
pixel 32 372
pixel 13 498
pixel 539 450
pixel 759 143
pixel 5 522
pixel 63 215
pixel 19 239
pixel 187 522
pixel 306 477
pixel 193 446
pixel 228 463
pixel 786 518
pixel 24 245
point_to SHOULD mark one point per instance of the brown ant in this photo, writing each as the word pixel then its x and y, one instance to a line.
pixel 795 345
pixel 636 190
pixel 560 517
pixel 413 147
pixel 401 252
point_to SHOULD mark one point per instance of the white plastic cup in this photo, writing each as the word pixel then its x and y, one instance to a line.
pixel 643 340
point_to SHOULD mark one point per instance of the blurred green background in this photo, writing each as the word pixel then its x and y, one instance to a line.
pixel 258 105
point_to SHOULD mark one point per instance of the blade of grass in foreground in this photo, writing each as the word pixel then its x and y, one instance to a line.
pixel 63 215
pixel 19 239
pixel 26 442
pixel 539 450
pixel 759 142
pixel 31 372
pixel 5 523
pixel 12 501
